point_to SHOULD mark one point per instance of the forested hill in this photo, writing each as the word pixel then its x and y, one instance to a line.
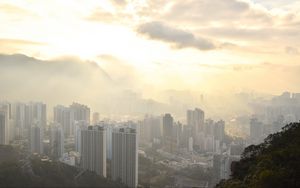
pixel 17 171
pixel 274 163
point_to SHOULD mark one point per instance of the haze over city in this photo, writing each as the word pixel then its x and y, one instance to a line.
pixel 148 47
pixel 192 82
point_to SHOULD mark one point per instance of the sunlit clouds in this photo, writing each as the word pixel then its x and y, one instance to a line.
pixel 196 45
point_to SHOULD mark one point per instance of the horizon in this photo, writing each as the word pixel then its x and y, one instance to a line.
pixel 150 93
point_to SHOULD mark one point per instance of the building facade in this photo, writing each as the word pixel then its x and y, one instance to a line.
pixel 125 156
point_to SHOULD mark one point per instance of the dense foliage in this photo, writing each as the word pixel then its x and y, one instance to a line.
pixel 274 163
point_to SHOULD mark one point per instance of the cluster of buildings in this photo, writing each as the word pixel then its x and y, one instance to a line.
pixel 197 134
pixel 199 142
pixel 271 115
pixel 94 144
pixel 110 148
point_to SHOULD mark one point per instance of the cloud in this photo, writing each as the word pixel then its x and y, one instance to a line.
pixel 101 15
pixel 63 79
pixel 240 21
pixel 206 12
pixel 67 79
pixel 117 17
pixel 119 70
pixel 8 45
pixel 292 50
pixel 7 41
pixel 179 38
pixel 120 3
pixel 12 9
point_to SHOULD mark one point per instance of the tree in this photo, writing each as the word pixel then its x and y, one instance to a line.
pixel 274 163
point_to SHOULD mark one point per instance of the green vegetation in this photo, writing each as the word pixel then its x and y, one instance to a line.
pixel 36 173
pixel 159 175
pixel 274 163
pixel 196 173
pixel 156 175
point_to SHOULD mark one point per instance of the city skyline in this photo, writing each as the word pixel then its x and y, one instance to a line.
pixel 116 150
pixel 150 93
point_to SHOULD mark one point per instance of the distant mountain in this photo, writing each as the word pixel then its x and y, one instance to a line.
pixel 30 78
pixel 275 163
pixel 68 79
pixel 16 171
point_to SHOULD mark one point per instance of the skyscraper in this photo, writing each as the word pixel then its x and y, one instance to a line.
pixel 56 142
pixel 93 150
pixel 195 119
pixel 19 115
pixel 24 115
pixel 219 130
pixel 125 156
pixel 96 118
pixel 36 139
pixel 150 128
pixel 167 125
pixel 81 112
pixel 79 126
pixel 38 113
pixel 256 131
pixel 4 124
pixel 68 116
pixel 168 132
pixel 64 117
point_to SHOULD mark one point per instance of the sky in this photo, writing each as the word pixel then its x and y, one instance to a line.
pixel 149 46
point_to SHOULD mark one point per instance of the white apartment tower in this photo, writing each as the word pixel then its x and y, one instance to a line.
pixel 69 116
pixel 195 120
pixel 125 156
pixel 93 150
pixel 56 142
pixel 4 124
pixel 36 139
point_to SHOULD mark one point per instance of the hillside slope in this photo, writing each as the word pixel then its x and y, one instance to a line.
pixel 274 163
pixel 16 171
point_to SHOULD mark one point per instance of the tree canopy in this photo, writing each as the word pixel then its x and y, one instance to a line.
pixel 274 163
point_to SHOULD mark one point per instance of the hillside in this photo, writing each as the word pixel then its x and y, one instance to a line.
pixel 16 171
pixel 274 163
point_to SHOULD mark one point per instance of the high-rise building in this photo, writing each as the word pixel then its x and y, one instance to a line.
pixel 209 127
pixel 219 130
pixel 190 144
pixel 150 129
pixel 93 150
pixel 64 117
pixel 168 133
pixel 186 138
pixel 155 130
pixel 36 139
pixel 176 135
pixel 256 131
pixel 56 142
pixel 81 112
pixel 4 124
pixel 79 126
pixel 38 114
pixel 24 115
pixel 109 130
pixel 19 115
pixel 68 116
pixel 195 119
pixel 125 156
pixel 96 118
